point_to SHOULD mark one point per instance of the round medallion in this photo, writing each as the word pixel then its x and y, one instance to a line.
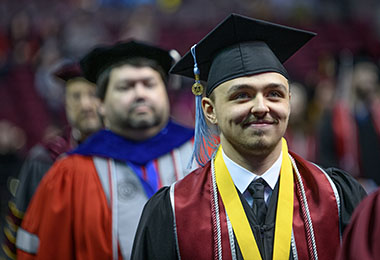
pixel 197 89
pixel 127 190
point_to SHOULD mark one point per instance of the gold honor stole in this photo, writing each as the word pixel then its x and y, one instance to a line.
pixel 238 218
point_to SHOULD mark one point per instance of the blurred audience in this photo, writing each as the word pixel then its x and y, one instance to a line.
pixel 350 131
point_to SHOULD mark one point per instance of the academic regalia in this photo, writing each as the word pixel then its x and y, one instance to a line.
pixel 157 220
pixel 362 236
pixel 105 174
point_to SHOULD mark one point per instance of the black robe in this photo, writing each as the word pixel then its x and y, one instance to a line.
pixel 155 236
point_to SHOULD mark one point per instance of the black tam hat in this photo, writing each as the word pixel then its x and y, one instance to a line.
pixel 102 57
pixel 69 71
pixel 241 46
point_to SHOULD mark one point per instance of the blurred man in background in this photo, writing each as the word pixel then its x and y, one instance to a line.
pixel 89 203
pixel 81 105
pixel 350 133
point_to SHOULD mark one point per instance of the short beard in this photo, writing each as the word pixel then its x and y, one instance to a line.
pixel 141 124
pixel 88 130
pixel 259 148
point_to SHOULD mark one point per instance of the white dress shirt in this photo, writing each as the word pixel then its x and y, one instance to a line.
pixel 242 177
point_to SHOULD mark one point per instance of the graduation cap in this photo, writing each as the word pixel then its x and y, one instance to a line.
pixel 238 46
pixel 241 46
pixel 102 57
pixel 69 71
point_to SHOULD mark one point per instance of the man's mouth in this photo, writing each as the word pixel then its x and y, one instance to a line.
pixel 259 123
pixel 141 108
pixel 86 115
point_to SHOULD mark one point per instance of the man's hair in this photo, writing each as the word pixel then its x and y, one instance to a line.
pixel 212 96
pixel 78 79
pixel 138 62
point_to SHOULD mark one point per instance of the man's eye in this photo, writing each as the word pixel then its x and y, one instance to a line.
pixel 122 87
pixel 76 96
pixel 150 84
pixel 92 95
pixel 242 95
pixel 274 94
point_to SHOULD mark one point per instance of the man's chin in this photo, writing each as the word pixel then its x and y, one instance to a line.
pixel 143 124
pixel 89 127
pixel 261 146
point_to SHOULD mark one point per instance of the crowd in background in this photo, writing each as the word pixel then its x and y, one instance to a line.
pixel 37 36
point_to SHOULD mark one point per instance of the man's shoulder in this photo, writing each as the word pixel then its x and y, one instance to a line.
pixel 70 164
pixel 346 184
pixel 339 175
pixel 159 203
pixel 331 171
pixel 39 153
pixel 177 134
pixel 68 159
pixel 195 176
pixel 163 195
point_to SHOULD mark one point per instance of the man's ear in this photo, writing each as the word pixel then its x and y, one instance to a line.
pixel 208 108
pixel 102 110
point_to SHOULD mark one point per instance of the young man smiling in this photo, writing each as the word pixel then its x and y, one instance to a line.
pixel 253 199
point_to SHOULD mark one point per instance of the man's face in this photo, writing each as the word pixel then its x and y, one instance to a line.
pixel 81 106
pixel 365 79
pixel 136 101
pixel 251 112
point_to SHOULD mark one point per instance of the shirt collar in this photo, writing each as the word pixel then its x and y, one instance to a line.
pixel 242 177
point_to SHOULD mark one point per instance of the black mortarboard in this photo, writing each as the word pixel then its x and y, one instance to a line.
pixel 241 46
pixel 102 57
pixel 69 71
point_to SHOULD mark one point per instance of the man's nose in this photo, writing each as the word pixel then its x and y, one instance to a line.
pixel 140 90
pixel 86 102
pixel 259 105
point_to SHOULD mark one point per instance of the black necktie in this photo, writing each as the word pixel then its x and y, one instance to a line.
pixel 256 188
